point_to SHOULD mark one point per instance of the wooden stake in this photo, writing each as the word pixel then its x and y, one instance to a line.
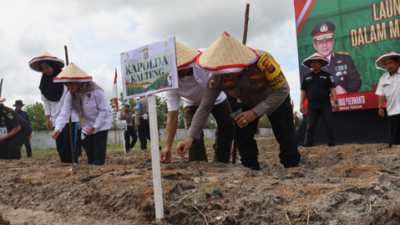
pixel 158 198
pixel 1 85
pixel 71 138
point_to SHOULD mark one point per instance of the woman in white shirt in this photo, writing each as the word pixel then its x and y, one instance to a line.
pixel 53 96
pixel 89 102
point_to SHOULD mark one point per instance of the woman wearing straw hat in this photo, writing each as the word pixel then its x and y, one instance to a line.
pixel 14 131
pixel 88 100
pixel 53 96
pixel 192 83
pixel 389 90
pixel 258 82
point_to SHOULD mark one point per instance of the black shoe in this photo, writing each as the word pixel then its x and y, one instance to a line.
pixel 331 144
pixel 291 163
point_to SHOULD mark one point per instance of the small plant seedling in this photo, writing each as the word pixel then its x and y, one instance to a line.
pixel 272 202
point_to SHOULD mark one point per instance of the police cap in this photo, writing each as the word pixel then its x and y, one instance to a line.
pixel 323 30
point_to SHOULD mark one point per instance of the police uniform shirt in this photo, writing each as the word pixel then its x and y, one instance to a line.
pixel 251 88
pixel 10 119
pixel 128 116
pixel 317 86
pixel 142 108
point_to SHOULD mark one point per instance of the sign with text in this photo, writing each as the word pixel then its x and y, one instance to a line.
pixel 351 34
pixel 149 69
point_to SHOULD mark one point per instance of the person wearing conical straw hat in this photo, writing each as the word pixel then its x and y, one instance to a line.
pixel 258 82
pixel 389 90
pixel 87 100
pixel 14 131
pixel 316 86
pixel 192 83
pixel 53 96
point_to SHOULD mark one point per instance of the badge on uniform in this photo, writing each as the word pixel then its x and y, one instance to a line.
pixel 3 131
pixel 333 81
pixel 89 95
pixel 212 84
pixel 145 117
pixel 10 116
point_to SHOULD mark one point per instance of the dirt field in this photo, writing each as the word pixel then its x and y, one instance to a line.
pixel 348 184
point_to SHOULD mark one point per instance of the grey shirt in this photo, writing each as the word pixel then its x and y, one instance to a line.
pixel 128 116
pixel 141 108
pixel 261 86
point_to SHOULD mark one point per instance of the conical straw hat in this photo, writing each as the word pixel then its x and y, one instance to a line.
pixel 34 63
pixel 315 56
pixel 227 55
pixel 380 61
pixel 185 55
pixel 2 100
pixel 72 73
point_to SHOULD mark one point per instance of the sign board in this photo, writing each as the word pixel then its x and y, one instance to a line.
pixel 149 69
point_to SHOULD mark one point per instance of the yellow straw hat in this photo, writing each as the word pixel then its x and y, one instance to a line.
pixel 380 61
pixel 315 56
pixel 185 55
pixel 2 100
pixel 34 63
pixel 72 73
pixel 227 55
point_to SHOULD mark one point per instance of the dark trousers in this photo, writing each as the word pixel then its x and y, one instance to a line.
pixel 130 132
pixel 10 148
pixel 312 120
pixel 282 125
pixel 63 143
pixel 223 134
pixel 96 147
pixel 27 144
pixel 394 130
pixel 144 133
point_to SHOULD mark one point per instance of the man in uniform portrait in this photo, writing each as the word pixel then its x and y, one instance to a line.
pixel 341 65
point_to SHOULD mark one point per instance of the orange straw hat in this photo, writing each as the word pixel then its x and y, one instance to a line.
pixel 226 55
pixel 72 73
pixel 185 55
pixel 34 63
pixel 2 100
pixel 315 56
pixel 380 61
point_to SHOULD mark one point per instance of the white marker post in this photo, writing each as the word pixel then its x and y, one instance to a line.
pixel 158 198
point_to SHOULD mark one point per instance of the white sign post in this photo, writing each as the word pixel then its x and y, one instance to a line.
pixel 146 71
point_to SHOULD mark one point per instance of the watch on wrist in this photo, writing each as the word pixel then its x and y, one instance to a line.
pixel 336 101
pixel 380 108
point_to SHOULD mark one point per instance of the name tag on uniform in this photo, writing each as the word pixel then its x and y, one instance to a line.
pixel 145 117
pixel 3 131
pixel 308 78
pixel 322 77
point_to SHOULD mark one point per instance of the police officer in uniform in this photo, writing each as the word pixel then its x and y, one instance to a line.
pixel 258 82
pixel 14 131
pixel 130 129
pixel 341 65
pixel 142 122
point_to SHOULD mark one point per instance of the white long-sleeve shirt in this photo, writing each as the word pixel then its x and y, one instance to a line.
pixel 53 109
pixel 389 86
pixel 96 110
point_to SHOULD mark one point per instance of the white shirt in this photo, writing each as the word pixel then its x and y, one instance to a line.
pixel 389 86
pixel 191 89
pixel 53 109
pixel 96 110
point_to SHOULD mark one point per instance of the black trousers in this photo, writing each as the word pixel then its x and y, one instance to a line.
pixel 144 133
pixel 27 144
pixel 96 147
pixel 130 132
pixel 63 143
pixel 10 148
pixel 312 120
pixel 394 130
pixel 282 125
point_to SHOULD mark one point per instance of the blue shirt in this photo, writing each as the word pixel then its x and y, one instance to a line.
pixel 24 115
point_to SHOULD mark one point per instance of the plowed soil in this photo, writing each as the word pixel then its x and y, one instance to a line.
pixel 347 184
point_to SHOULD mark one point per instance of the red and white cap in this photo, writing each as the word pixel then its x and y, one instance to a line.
pixel 72 73
pixel 315 56
pixel 2 100
pixel 185 55
pixel 226 55
pixel 34 63
pixel 380 61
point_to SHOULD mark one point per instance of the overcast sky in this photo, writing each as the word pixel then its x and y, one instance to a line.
pixel 97 31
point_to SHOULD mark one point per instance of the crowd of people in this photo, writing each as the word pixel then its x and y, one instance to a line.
pixel 236 84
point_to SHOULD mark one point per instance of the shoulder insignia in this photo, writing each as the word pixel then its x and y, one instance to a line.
pixel 272 72
pixel 138 106
pixel 343 53
pixel 212 83
pixel 10 116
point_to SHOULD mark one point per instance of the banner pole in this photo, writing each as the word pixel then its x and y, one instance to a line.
pixel 158 198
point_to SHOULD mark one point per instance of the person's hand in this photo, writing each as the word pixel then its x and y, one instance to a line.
pixel 165 155
pixel 335 107
pixel 49 126
pixel 302 108
pixel 30 137
pixel 183 146
pixel 90 131
pixel 137 128
pixel 340 90
pixel 2 139
pixel 381 113
pixel 246 117
pixel 123 132
pixel 126 117
pixel 55 134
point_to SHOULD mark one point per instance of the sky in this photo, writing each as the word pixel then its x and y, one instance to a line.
pixel 97 31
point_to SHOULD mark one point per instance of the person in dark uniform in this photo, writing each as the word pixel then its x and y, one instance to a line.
pixel 142 122
pixel 130 129
pixel 316 86
pixel 14 131
pixel 18 109
pixel 340 64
